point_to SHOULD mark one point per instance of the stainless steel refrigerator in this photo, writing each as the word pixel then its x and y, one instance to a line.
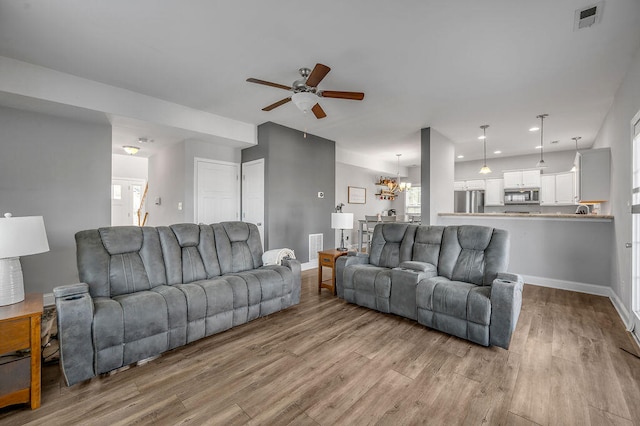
pixel 468 201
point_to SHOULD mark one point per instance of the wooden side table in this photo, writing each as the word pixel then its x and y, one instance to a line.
pixel 20 330
pixel 328 258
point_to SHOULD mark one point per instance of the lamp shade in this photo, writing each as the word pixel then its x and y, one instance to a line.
pixel 21 236
pixel 304 100
pixel 342 220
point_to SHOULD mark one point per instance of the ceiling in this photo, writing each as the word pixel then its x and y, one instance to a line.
pixel 452 66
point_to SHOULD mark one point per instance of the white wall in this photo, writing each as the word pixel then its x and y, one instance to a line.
pixel 616 133
pixel 349 175
pixel 129 167
pixel 59 168
pixel 442 154
pixel 171 177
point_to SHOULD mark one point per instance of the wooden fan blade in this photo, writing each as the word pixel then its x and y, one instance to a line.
pixel 268 83
pixel 354 96
pixel 319 72
pixel 318 111
pixel 277 104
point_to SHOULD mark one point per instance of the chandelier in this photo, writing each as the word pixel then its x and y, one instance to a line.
pixel 395 185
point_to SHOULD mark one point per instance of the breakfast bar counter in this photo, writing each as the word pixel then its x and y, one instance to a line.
pixel 570 251
pixel 559 216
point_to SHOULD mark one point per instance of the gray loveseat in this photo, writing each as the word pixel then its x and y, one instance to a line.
pixel 147 290
pixel 450 278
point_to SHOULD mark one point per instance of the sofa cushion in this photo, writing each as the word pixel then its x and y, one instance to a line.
pixel 391 244
pixel 457 299
pixel 238 245
pixel 426 247
pixel 473 254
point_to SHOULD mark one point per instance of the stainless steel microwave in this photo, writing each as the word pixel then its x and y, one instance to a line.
pixel 522 196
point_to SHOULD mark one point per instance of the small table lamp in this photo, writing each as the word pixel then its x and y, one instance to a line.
pixel 19 236
pixel 342 221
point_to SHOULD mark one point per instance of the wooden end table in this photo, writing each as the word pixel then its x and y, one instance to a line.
pixel 328 258
pixel 20 330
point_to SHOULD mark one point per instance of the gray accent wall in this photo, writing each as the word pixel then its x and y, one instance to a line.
pixel 296 169
pixel 58 168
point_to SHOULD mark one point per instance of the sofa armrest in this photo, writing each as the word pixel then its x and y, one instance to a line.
pixel 296 268
pixel 506 302
pixel 74 307
pixel 352 258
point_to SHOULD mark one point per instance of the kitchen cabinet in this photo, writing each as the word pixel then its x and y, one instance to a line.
pixel 522 179
pixel 557 189
pixel 469 185
pixel 494 192
pixel 593 174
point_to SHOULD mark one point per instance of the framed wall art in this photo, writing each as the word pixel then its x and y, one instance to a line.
pixel 357 195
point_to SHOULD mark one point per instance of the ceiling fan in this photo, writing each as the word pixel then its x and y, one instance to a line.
pixel 305 91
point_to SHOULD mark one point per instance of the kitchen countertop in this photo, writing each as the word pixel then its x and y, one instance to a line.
pixel 534 215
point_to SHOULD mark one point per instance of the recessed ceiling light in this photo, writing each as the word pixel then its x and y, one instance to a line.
pixel 497 152
pixel 482 137
pixel 534 129
pixel 460 156
pixel 539 147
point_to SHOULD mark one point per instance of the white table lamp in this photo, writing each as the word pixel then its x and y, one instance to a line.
pixel 19 236
pixel 342 221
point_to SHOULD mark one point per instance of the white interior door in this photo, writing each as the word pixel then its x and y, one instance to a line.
pixel 253 194
pixel 217 191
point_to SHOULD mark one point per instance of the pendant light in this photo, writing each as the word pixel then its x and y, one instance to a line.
pixel 485 169
pixel 541 164
pixel 576 139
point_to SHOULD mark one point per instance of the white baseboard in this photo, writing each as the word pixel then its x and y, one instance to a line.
pixel 598 290
pixel 309 265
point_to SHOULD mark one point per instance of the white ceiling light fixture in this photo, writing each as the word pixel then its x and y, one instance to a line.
pixel 460 156
pixel 541 164
pixel 485 169
pixel 130 149
pixel 497 152
pixel 576 139
pixel 534 129
pixel 304 101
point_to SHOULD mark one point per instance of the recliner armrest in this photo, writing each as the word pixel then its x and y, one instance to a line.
pixel 74 307
pixel 296 268
pixel 352 258
pixel 506 302
pixel 65 291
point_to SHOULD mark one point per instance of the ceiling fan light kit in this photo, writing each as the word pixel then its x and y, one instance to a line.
pixel 305 91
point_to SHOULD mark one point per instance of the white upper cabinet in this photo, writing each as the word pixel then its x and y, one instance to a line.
pixel 557 189
pixel 468 185
pixel 593 174
pixel 522 179
pixel 494 192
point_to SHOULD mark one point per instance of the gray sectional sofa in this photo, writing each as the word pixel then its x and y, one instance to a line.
pixel 147 290
pixel 452 279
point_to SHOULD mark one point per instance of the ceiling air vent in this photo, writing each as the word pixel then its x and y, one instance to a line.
pixel 588 16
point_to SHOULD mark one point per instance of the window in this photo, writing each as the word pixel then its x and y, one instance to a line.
pixel 412 201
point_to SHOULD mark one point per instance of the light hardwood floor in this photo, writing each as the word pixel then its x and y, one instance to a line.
pixel 329 362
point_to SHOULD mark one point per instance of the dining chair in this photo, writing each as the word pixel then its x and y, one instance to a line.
pixel 416 219
pixel 370 223
pixel 389 218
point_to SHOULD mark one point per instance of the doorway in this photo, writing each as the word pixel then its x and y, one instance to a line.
pixel 126 197
pixel 217 191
